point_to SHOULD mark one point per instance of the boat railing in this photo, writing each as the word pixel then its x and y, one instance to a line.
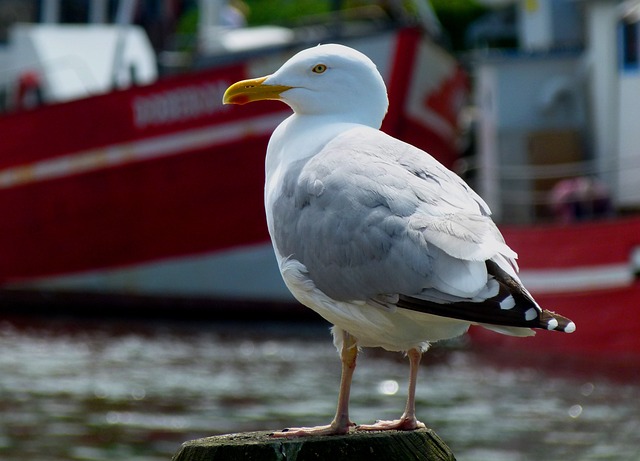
pixel 527 193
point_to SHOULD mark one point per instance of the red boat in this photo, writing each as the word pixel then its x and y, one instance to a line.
pixel 156 191
pixel 559 157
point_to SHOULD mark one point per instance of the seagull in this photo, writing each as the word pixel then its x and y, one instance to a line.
pixel 374 234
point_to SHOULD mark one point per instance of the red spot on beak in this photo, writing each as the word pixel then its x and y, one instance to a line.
pixel 240 99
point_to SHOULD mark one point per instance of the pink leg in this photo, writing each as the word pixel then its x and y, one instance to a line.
pixel 407 421
pixel 341 422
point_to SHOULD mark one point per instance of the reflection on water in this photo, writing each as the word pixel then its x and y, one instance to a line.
pixel 87 392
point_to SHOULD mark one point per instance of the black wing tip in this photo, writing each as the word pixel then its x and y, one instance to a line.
pixel 555 322
pixel 492 313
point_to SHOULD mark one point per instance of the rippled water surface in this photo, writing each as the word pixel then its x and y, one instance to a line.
pixel 91 391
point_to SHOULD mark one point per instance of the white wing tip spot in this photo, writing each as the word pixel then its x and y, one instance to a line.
pixel 530 314
pixel 570 328
pixel 552 325
pixel 508 303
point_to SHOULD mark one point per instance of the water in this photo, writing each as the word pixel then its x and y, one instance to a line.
pixel 79 391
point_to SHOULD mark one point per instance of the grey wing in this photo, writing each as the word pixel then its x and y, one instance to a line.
pixel 371 215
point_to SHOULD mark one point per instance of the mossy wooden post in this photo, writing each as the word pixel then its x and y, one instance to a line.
pixel 419 445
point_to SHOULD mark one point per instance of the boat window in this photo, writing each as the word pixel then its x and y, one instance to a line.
pixel 635 261
pixel 629 44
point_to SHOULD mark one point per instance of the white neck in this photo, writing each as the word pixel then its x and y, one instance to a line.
pixel 301 136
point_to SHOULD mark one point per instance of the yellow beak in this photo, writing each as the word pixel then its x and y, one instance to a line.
pixel 246 91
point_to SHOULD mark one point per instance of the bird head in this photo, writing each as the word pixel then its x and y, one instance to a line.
pixel 331 80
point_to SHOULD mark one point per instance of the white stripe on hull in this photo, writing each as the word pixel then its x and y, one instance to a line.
pixel 135 151
pixel 577 279
pixel 249 273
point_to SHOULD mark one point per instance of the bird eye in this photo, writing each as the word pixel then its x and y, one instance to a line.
pixel 319 68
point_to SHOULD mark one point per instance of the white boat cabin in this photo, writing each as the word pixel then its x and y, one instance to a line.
pixel 560 115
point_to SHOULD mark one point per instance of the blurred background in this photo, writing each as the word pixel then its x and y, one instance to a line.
pixel 140 302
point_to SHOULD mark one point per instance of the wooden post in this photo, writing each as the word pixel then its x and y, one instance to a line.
pixel 418 445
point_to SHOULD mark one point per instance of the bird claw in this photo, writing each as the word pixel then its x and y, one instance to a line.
pixel 330 429
pixel 402 424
